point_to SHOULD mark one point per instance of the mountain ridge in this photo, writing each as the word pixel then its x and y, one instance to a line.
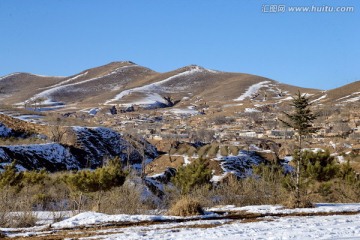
pixel 126 83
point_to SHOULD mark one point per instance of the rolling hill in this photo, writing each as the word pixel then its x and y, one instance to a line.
pixel 126 83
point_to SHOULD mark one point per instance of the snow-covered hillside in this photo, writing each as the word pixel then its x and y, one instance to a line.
pixel 151 90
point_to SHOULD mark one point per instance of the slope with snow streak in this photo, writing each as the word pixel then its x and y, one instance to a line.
pixel 319 99
pixel 61 86
pixel 252 90
pixel 9 75
pixel 68 80
pixel 150 88
pixel 350 98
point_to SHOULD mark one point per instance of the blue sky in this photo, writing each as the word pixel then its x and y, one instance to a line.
pixel 64 37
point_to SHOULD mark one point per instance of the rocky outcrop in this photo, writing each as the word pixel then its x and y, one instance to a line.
pixel 20 126
pixel 92 147
pixel 52 157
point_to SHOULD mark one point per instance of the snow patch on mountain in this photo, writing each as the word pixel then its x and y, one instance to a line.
pixel 353 99
pixel 46 76
pixel 318 99
pixel 150 100
pixel 61 86
pixel 182 111
pixel 9 75
pixel 348 96
pixel 68 80
pixel 150 88
pixel 253 89
pixel 251 110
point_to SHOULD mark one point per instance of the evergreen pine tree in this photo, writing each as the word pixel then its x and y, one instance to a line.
pixel 194 174
pixel 301 121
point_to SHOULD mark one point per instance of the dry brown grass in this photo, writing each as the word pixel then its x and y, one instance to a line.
pixel 123 200
pixel 224 151
pixel 303 202
pixel 22 141
pixel 186 206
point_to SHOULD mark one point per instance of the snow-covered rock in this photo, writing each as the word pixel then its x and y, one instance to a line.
pixel 92 147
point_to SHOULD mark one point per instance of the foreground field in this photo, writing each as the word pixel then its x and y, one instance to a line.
pixel 325 221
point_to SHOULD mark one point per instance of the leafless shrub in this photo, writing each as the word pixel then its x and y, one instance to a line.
pixel 21 219
pixel 15 213
pixel 221 119
pixel 123 200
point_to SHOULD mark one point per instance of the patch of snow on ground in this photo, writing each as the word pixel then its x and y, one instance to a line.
pixel 341 159
pixel 91 218
pixel 354 99
pixel 252 90
pixel 92 111
pixel 186 159
pixel 271 209
pixel 314 150
pixel 271 227
pixel 218 178
pixel 251 110
pixel 233 105
pixel 288 158
pixel 151 98
pixel 29 118
pixel 329 227
pixel 183 111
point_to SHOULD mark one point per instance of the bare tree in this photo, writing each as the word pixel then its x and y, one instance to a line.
pixel 58 132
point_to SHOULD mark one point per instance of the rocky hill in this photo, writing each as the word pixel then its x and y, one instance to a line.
pixel 86 148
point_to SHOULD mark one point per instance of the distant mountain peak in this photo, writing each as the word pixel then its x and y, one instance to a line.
pixel 198 68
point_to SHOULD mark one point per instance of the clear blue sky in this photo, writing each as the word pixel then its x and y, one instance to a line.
pixel 64 37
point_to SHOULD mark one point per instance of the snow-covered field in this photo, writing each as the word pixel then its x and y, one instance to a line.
pixel 325 221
